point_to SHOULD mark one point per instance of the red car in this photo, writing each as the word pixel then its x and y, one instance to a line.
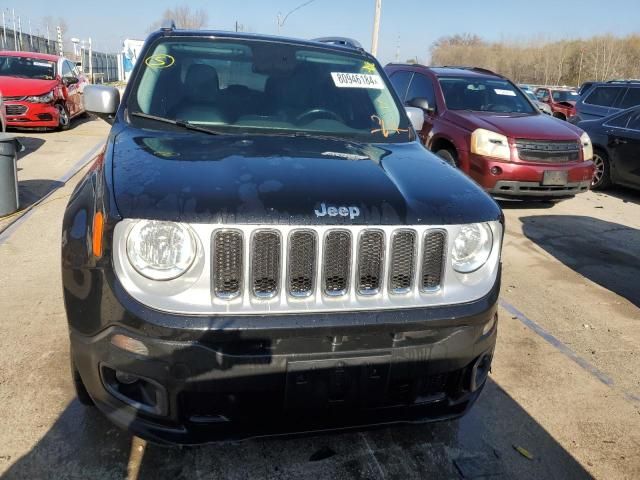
pixel 481 123
pixel 40 90
pixel 561 100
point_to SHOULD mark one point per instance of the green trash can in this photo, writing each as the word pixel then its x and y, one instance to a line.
pixel 9 148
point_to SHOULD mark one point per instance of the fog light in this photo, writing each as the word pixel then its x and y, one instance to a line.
pixel 130 344
pixel 496 171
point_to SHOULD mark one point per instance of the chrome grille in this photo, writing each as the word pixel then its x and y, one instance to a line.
pixel 403 247
pixel 433 255
pixel 302 263
pixel 265 263
pixel 370 258
pixel 337 262
pixel 14 110
pixel 548 151
pixel 227 264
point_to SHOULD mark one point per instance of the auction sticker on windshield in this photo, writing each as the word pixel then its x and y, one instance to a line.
pixel 508 93
pixel 357 80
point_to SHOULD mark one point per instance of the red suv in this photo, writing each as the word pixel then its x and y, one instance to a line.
pixel 484 125
pixel 562 101
pixel 40 90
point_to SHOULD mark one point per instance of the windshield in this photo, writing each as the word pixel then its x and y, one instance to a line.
pixel 236 86
pixel 531 95
pixel 25 67
pixel 484 95
pixel 564 96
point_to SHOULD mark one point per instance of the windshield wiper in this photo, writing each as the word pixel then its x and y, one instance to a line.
pixel 178 123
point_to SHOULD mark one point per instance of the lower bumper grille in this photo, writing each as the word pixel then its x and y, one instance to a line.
pixel 15 110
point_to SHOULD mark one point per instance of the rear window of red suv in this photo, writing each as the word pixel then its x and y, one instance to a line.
pixel 484 95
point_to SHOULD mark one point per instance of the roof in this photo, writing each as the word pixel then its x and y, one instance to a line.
pixel 460 71
pixel 39 56
pixel 258 36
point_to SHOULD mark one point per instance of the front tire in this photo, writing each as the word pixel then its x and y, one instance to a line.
pixel 64 119
pixel 448 156
pixel 602 174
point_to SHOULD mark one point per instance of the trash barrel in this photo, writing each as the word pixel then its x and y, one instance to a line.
pixel 8 175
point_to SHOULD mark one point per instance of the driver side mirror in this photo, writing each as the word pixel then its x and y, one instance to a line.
pixel 102 101
pixel 422 104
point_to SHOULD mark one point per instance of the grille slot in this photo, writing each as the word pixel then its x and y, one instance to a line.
pixel 15 110
pixel 403 247
pixel 265 264
pixel 302 263
pixel 227 264
pixel 370 261
pixel 337 262
pixel 433 253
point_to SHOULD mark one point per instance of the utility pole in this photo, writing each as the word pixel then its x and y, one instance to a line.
pixel 15 32
pixel 398 50
pixel 376 28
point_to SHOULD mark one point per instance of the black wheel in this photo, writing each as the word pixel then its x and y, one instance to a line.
pixel 78 385
pixel 602 173
pixel 448 156
pixel 64 119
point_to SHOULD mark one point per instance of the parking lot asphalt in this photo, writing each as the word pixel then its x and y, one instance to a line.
pixel 563 400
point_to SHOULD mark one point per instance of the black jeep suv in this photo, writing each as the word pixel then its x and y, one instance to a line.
pixel 264 247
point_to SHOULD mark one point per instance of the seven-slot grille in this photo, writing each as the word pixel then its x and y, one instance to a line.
pixel 396 260
pixel 548 151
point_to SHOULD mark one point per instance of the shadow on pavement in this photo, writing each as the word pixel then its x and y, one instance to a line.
pixel 606 253
pixel 526 204
pixel 31 191
pixel 83 444
pixel 31 144
pixel 627 195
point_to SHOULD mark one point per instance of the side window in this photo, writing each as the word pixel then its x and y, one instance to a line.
pixel 400 81
pixel 543 95
pixel 634 121
pixel 603 96
pixel 620 121
pixel 631 98
pixel 422 87
pixel 67 69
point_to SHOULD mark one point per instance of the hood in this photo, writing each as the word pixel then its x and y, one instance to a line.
pixel 20 87
pixel 288 180
pixel 518 125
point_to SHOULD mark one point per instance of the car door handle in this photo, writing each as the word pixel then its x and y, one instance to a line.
pixel 619 141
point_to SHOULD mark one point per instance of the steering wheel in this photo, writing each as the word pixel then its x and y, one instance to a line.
pixel 317 112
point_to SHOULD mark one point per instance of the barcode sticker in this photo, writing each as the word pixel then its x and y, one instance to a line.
pixel 357 80
pixel 508 93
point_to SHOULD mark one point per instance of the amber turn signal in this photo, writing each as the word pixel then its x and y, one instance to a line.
pixel 98 230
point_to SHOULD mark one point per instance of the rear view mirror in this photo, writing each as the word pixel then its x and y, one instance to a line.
pixel 101 100
pixel 421 103
pixel 416 116
pixel 69 81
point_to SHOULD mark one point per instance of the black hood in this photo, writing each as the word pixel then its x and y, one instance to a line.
pixel 277 179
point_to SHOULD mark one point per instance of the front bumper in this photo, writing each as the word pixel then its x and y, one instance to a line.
pixel 32 115
pixel 197 386
pixel 514 180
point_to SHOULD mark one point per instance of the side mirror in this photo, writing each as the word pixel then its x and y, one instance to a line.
pixel 101 101
pixel 416 117
pixel 69 80
pixel 421 103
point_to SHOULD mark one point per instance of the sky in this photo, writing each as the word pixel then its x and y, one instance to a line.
pixel 410 26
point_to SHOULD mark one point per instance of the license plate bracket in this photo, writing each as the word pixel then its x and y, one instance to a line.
pixel 555 178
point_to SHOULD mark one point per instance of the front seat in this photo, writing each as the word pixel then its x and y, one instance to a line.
pixel 201 83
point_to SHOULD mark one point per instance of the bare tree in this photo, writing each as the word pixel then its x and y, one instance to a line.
pixel 184 17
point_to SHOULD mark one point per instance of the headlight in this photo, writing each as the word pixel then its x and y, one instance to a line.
pixel 46 98
pixel 587 147
pixel 471 247
pixel 490 144
pixel 160 250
